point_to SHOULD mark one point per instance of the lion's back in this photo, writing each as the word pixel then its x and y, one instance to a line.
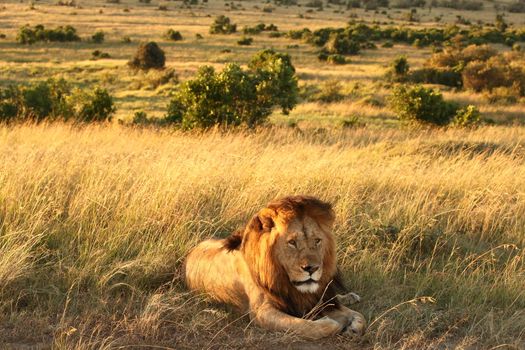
pixel 212 269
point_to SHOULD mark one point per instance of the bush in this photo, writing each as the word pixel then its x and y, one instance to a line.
pixel 222 25
pixel 148 56
pixel 93 106
pixel 31 35
pixel 53 100
pixel 398 70
pixel 245 41
pixel 405 4
pixel 342 45
pixel 235 96
pixel 336 59
pixel 96 54
pixel 261 27
pixel 8 104
pixel 442 76
pixel 467 116
pixel 422 105
pixel 496 72
pixel 173 35
pixel 461 5
pixel 98 37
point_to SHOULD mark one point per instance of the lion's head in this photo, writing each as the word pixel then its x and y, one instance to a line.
pixel 290 250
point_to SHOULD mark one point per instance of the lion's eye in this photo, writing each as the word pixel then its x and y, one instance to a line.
pixel 317 241
pixel 292 243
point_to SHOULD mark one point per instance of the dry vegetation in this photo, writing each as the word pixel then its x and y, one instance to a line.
pixel 95 220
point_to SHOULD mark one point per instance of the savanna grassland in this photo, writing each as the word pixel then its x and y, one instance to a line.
pixel 95 220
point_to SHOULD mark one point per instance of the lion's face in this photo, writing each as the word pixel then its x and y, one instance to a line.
pixel 300 247
pixel 290 249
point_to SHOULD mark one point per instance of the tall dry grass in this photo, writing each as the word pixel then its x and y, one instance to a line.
pixel 95 222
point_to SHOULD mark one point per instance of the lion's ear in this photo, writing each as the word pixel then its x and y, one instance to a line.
pixel 267 218
pixel 263 221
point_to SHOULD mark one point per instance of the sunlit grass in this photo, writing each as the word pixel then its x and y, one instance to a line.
pixel 95 222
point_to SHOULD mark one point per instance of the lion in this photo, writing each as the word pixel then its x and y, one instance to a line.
pixel 281 270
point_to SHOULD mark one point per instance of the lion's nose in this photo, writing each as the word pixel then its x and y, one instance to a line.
pixel 310 268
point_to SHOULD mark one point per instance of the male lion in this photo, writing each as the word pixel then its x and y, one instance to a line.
pixel 281 268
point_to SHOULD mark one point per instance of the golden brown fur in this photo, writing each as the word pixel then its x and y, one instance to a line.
pixel 280 268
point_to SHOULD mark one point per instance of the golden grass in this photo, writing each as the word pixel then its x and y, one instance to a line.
pixel 95 222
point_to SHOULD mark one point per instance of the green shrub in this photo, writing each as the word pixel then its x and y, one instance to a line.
pixel 235 96
pixel 93 106
pixel 275 78
pixel 286 2
pixel 336 59
pixel 148 56
pixel 261 27
pixel 173 35
pixel 398 70
pixel 245 41
pixel 467 116
pixel 31 35
pixel 422 105
pixel 442 76
pixel 44 100
pixel 9 108
pixel 98 37
pixel 96 54
pixel 222 25
pixel 340 44
pixel 53 100
pixel 461 5
pixel 405 4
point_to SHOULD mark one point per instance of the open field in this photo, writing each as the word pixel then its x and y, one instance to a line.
pixel 95 220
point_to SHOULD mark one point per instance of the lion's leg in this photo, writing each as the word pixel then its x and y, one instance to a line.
pixel 353 321
pixel 348 298
pixel 271 318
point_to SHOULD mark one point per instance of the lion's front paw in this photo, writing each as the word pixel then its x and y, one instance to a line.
pixel 349 298
pixel 356 326
pixel 327 327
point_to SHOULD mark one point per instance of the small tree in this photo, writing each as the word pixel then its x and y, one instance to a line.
pixel 222 25
pixel 94 106
pixel 148 56
pixel 339 44
pixel 235 96
pixel 276 80
pixel 98 37
pixel 398 69
pixel 173 35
